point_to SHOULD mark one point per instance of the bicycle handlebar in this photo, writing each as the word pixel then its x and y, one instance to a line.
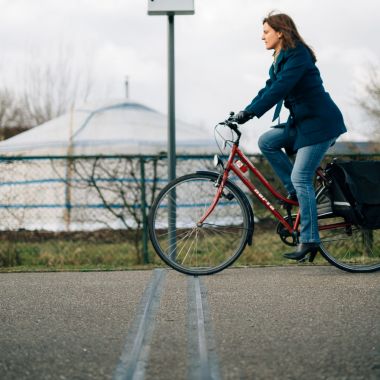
pixel 231 123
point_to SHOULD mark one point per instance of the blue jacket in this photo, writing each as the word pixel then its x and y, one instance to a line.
pixel 296 80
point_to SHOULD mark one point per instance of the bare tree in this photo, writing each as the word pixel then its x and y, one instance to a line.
pixel 11 112
pixel 52 87
pixel 370 102
pixel 12 116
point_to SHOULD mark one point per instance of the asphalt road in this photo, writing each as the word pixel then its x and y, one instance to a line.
pixel 296 322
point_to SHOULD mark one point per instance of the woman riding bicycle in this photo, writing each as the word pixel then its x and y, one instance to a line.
pixel 313 125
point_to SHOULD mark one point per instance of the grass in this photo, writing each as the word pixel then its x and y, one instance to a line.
pixel 68 255
pixel 110 250
pixel 86 255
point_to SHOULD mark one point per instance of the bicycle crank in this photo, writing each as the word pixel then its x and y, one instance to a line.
pixel 287 237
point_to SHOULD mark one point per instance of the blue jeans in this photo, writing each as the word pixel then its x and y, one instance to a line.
pixel 297 177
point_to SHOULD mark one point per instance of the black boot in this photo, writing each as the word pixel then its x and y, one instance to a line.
pixel 302 250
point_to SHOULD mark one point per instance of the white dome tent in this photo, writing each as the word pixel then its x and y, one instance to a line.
pixel 42 188
pixel 120 127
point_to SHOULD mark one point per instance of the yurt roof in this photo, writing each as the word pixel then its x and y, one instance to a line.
pixel 121 127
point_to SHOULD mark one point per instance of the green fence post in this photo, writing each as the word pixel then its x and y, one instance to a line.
pixel 143 212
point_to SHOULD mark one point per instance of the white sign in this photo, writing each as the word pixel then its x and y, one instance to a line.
pixel 174 7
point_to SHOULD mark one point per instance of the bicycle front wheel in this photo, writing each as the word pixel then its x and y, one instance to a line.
pixel 185 244
pixel 346 246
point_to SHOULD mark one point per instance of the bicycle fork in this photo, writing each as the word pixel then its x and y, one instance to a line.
pixel 219 183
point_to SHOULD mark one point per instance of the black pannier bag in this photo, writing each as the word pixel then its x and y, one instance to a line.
pixel 355 191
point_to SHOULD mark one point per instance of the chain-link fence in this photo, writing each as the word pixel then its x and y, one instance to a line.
pixel 77 210
pixel 92 211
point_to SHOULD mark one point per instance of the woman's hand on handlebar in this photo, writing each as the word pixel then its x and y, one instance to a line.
pixel 242 117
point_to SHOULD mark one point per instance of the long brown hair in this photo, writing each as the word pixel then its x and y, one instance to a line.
pixel 284 24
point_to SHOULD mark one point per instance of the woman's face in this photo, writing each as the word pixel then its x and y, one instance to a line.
pixel 271 38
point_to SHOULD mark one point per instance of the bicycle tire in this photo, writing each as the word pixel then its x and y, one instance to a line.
pixel 190 248
pixel 350 248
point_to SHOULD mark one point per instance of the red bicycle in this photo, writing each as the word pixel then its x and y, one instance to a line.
pixel 200 223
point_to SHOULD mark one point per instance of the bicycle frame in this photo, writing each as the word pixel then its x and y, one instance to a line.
pixel 235 155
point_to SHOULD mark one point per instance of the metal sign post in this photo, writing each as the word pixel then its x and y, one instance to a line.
pixel 171 8
pixel 171 101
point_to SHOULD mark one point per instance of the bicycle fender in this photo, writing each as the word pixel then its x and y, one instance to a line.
pixel 251 222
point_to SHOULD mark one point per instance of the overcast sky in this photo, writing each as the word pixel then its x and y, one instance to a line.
pixel 221 61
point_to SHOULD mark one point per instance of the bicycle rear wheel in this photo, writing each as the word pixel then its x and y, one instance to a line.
pixel 346 246
pixel 185 245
